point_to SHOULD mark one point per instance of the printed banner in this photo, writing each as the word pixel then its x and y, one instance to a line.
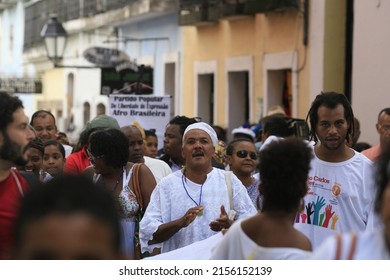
pixel 152 112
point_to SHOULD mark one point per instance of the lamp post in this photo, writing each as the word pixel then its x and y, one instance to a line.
pixel 55 37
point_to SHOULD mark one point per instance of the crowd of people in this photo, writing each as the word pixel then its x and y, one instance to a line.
pixel 266 193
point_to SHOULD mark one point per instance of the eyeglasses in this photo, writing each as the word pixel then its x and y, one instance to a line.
pixel 91 157
pixel 384 127
pixel 244 154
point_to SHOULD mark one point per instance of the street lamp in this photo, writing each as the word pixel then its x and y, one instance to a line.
pixel 55 36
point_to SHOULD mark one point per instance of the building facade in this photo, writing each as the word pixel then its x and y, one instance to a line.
pixel 225 61
pixel 242 57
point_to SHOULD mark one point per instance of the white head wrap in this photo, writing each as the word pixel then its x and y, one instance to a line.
pixel 244 130
pixel 206 128
pixel 269 140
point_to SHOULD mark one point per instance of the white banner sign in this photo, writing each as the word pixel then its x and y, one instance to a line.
pixel 152 112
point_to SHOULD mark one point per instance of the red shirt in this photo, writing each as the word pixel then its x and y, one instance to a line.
pixel 10 197
pixel 77 162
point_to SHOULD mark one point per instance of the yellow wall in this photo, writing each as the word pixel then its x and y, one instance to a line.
pixel 334 47
pixel 249 36
pixel 53 94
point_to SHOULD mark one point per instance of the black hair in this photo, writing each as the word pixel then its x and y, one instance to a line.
pixel 55 143
pixel 330 100
pixel 183 122
pixel 111 143
pixel 240 135
pixel 276 126
pixel 361 146
pixel 283 167
pixel 150 132
pixel 131 128
pixel 68 194
pixel 84 138
pixel 382 178
pixel 9 149
pixel 40 114
pixel 35 143
pixel 234 142
pixel 8 105
pixel 221 132
pixel 385 110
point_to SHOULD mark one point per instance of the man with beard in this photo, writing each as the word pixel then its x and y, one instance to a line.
pixel 192 204
pixel 14 136
pixel 340 182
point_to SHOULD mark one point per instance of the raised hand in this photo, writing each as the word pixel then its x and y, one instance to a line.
pixel 190 215
pixel 223 222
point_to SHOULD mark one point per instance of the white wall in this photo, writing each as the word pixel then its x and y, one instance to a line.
pixel 11 57
pixel 157 38
pixel 371 64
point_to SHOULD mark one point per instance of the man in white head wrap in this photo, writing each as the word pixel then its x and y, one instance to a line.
pixel 192 204
pixel 206 128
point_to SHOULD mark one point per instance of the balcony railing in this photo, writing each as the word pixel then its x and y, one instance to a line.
pixel 219 9
pixel 37 14
pixel 197 12
pixel 193 12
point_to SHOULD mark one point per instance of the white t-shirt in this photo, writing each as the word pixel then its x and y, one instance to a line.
pixel 236 245
pixel 159 168
pixel 68 150
pixel 339 198
pixel 170 201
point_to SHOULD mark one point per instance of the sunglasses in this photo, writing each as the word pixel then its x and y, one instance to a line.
pixel 244 154
pixel 91 157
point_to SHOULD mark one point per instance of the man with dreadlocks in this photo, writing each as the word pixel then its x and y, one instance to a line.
pixel 340 182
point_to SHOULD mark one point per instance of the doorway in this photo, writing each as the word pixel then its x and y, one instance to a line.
pixel 238 108
pixel 206 98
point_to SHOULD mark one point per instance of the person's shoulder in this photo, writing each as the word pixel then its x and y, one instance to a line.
pixel 372 153
pixel 155 161
pixel 218 173
pixel 371 150
pixel 31 179
pixel 88 171
pixel 73 157
pixel 68 149
pixel 363 160
pixel 77 155
pixel 238 227
pixel 168 179
pixel 303 242
pixel 165 158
